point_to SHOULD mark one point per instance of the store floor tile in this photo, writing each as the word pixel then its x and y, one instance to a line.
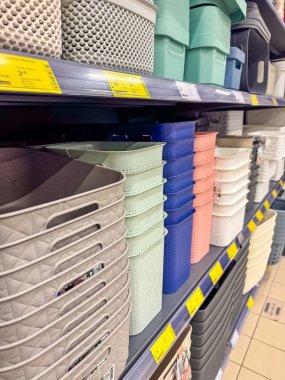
pixel 259 302
pixel 246 374
pixel 270 332
pixel 232 371
pixel 239 352
pixel 250 324
pixel 280 276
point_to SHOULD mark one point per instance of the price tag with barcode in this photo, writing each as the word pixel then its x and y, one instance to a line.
pixel 188 91
pixel 239 97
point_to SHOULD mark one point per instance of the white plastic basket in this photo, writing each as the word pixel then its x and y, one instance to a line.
pixel 279 169
pixel 262 189
pixel 226 227
pixel 223 208
pixel 229 186
pixel 266 170
pixel 274 144
pixel 233 197
pixel 230 174
pixel 31 26
pixel 266 226
pixel 271 116
pixel 110 33
pixel 254 274
pixel 231 158
pixel 226 122
pixel 146 272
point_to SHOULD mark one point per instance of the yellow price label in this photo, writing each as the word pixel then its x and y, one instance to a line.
pixel 195 301
pixel 259 215
pixel 281 183
pixel 250 302
pixel 127 85
pixel 216 272
pixel 254 100
pixel 275 102
pixel 163 343
pixel 24 74
pixel 274 193
pixel 266 205
pixel 232 251
pixel 251 226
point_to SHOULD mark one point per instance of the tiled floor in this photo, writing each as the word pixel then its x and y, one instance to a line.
pixel 260 351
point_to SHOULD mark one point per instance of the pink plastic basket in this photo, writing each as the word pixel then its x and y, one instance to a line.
pixel 204 184
pixel 204 141
pixel 201 233
pixel 204 197
pixel 204 157
pixel 203 171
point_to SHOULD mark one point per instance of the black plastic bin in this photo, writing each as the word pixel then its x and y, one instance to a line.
pixel 254 75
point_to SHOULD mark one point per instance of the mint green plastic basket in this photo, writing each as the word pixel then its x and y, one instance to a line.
pixel 138 224
pixel 126 157
pixel 146 273
pixel 143 181
pixel 171 38
pixel 137 204
pixel 140 243
pixel 210 33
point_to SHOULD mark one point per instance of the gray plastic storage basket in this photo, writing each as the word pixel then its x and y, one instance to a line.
pixel 110 33
pixel 84 337
pixel 24 251
pixel 108 359
pixel 99 309
pixel 40 191
pixel 31 26
pixel 29 323
pixel 26 301
pixel 279 232
pixel 38 271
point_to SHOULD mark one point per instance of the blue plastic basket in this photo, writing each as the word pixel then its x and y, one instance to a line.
pixel 179 198
pixel 179 166
pixel 235 62
pixel 178 149
pixel 178 214
pixel 177 253
pixel 178 182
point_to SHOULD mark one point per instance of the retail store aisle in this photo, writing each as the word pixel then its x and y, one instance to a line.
pixel 260 351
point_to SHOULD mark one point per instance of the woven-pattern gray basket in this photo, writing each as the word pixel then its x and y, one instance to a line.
pixel 110 33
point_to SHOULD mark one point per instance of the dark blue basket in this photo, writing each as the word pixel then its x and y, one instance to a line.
pixel 177 253
pixel 178 182
pixel 179 198
pixel 167 132
pixel 179 166
pixel 178 149
pixel 176 215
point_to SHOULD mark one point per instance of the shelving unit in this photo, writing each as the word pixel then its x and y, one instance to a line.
pixel 141 363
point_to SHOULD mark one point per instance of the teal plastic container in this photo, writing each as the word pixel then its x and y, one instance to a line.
pixel 235 9
pixel 171 38
pixel 210 34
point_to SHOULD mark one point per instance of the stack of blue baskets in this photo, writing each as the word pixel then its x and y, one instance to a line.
pixel 178 171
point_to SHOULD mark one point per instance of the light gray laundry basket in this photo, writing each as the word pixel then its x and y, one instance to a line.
pixel 24 251
pixel 279 232
pixel 39 317
pixel 40 191
pixel 90 331
pixel 38 271
pixel 73 329
pixel 13 334
pixel 26 301
pixel 110 33
pixel 31 26
pixel 113 347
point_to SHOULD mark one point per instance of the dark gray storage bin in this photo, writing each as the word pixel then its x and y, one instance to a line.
pixel 254 75
pixel 251 194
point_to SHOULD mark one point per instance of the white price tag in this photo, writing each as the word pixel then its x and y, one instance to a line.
pixel 188 91
pixel 239 97
pixel 220 374
pixel 234 338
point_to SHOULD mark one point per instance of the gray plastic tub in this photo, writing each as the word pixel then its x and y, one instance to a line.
pixel 279 231
pixel 40 191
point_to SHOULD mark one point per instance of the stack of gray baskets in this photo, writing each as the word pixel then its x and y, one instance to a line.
pixel 213 323
pixel 278 244
pixel 64 285
pixel 142 164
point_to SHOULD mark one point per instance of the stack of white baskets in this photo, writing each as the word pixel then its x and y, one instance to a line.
pixel 259 250
pixel 142 164
pixel 272 161
pixel 64 285
pixel 232 172
pixel 225 122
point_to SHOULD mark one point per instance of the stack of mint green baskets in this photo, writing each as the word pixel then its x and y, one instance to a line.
pixel 210 33
pixel 142 164
pixel 171 38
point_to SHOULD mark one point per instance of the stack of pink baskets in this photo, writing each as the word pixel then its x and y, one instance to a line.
pixel 204 176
